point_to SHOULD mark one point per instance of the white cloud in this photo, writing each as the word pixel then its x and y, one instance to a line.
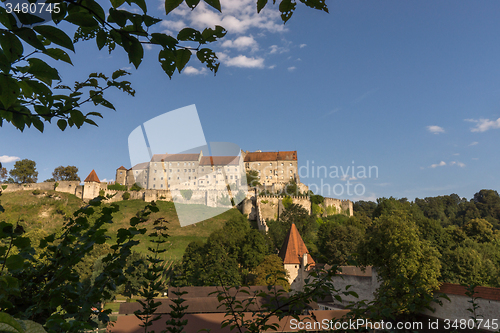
pixel 482 125
pixel 8 159
pixel 241 61
pixel 456 154
pixel 174 25
pixel 460 164
pixel 435 129
pixel 442 163
pixel 238 16
pixel 242 43
pixel 190 70
pixel 275 49
pixel 473 143
pixel 303 45
pixel 271 67
pixel 291 69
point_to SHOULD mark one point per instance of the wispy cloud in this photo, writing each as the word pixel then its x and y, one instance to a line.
pixel 291 69
pixel 302 45
pixel 365 95
pixel 473 143
pixel 8 159
pixel 435 129
pixel 241 61
pixel 275 49
pixel 442 163
pixel 460 164
pixel 483 125
pixel 190 70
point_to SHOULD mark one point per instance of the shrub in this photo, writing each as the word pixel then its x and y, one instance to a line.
pixel 136 187
pixel 287 201
pixel 187 194
pixel 126 196
pixel 101 193
pixel 4 187
pixel 36 192
pixel 117 187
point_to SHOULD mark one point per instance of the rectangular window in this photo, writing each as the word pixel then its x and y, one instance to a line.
pixel 161 185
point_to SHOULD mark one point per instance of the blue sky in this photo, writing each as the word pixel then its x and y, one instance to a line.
pixel 411 88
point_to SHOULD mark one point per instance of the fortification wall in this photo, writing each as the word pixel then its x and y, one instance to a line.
pixel 271 206
pixel 341 207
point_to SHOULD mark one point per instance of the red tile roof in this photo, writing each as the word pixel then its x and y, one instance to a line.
pixel 180 157
pixel 294 248
pixel 122 168
pixel 271 156
pixel 483 292
pixel 92 177
pixel 220 160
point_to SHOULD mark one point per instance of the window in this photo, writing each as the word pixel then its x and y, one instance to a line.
pixel 270 177
pixel 231 177
pixel 258 163
pixel 184 163
pixel 267 177
pixel 290 164
pixel 189 178
pixel 270 164
pixel 161 178
pixel 154 178
pixel 201 181
pixel 178 170
pixel 121 172
pixel 161 185
pixel 282 164
pixel 214 176
pixel 185 170
pixel 170 170
pixel 155 171
pixel 177 177
pixel 154 186
pixel 155 164
pixel 168 178
pixel 165 170
pixel 177 163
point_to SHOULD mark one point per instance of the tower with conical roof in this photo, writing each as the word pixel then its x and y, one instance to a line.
pixel 92 186
pixel 296 258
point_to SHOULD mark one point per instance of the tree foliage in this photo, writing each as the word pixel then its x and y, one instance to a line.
pixel 28 95
pixel 69 172
pixel 24 171
pixel 270 272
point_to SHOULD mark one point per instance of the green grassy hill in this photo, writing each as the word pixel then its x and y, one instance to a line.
pixel 44 213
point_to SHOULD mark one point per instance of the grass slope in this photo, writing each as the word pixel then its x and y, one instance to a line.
pixel 44 214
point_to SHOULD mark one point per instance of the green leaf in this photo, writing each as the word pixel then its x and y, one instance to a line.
pixel 260 5
pixel 56 36
pixel 9 91
pixel 192 3
pixel 189 34
pixel 287 7
pixel 141 4
pixel 134 50
pixel 58 54
pixel 15 262
pixel 82 19
pixel 117 16
pixel 149 21
pixel 28 19
pixel 29 36
pixel 96 9
pixel 9 324
pixel 183 57
pixel 116 74
pixel 77 117
pixel 170 5
pixel 210 58
pixel 117 3
pixel 167 60
pixel 101 39
pixel 214 3
pixel 42 71
pixel 11 45
pixel 61 123
pixel 38 124
pixel 163 40
pixel 211 35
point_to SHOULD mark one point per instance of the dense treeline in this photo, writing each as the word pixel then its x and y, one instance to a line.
pixel 439 239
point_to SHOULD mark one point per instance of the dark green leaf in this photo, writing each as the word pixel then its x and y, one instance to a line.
pixel 39 88
pixel 29 36
pixel 214 3
pixel 7 19
pixel 167 59
pixel 118 73
pixel 9 91
pixel 316 4
pixel 261 4
pixel 96 9
pixel 28 19
pixel 14 262
pixel 287 7
pixel 170 5
pixel 141 4
pixel 56 36
pixel 77 117
pixel 192 3
pixel 82 19
pixel 149 21
pixel 11 45
pixel 101 39
pixel 211 35
pixel 42 71
pixel 163 40
pixel 189 34
pixel 61 123
pixel 117 16
pixel 183 57
pixel 117 3
pixel 210 58
pixel 59 54
pixel 134 50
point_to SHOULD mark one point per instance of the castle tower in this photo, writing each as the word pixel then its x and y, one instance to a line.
pixel 295 258
pixel 91 186
pixel 121 176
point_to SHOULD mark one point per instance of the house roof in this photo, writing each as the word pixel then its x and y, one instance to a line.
pixel 122 168
pixel 140 166
pixel 92 177
pixel 293 248
pixel 180 157
pixel 220 160
pixel 271 156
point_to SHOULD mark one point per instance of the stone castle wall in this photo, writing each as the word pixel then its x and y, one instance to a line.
pixel 341 206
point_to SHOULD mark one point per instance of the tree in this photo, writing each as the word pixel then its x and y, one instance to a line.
pixel 336 243
pixel 27 96
pixel 24 171
pixel 65 173
pixel 3 173
pixel 409 267
pixel 253 178
pixel 270 272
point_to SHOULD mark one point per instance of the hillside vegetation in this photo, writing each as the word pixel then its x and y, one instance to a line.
pixel 44 212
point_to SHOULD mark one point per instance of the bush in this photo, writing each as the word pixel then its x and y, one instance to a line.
pixel 126 196
pixel 136 187
pixel 4 187
pixel 36 192
pixel 101 193
pixel 117 187
pixel 187 194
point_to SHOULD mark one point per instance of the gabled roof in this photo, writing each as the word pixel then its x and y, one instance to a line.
pixel 180 157
pixel 92 177
pixel 140 166
pixel 122 168
pixel 293 248
pixel 219 160
pixel 271 156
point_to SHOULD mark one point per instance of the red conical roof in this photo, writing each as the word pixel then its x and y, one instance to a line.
pixel 293 248
pixel 92 177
